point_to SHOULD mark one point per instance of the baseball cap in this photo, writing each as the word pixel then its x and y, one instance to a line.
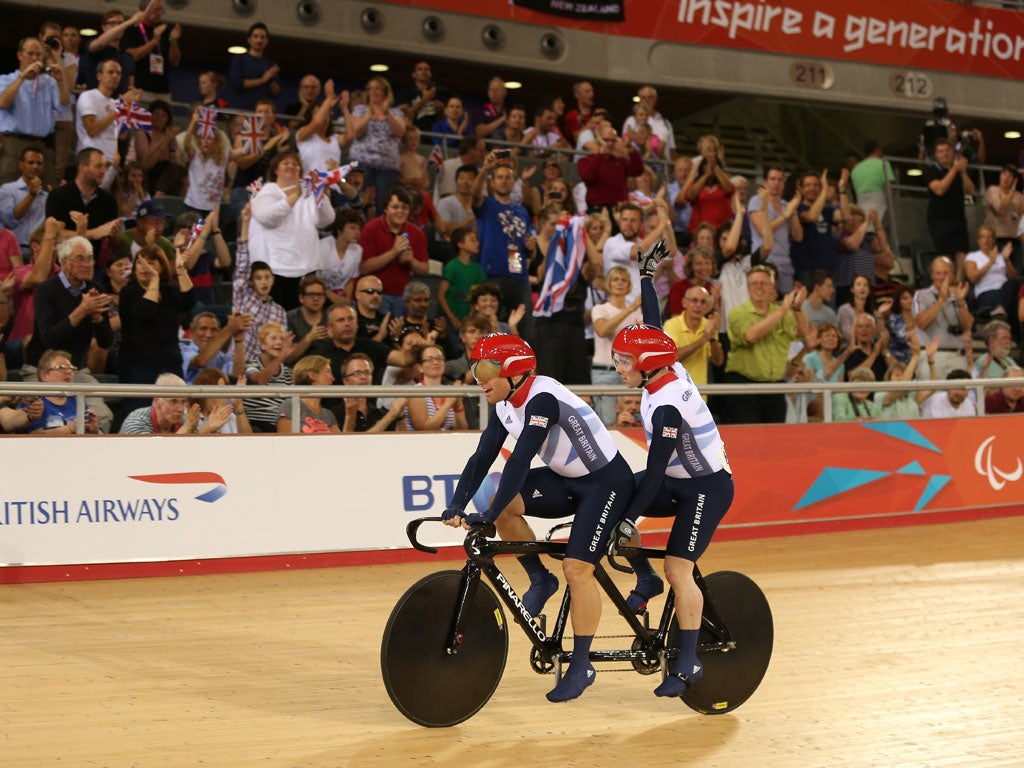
pixel 150 208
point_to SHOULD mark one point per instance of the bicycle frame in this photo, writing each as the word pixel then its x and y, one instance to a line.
pixel 649 646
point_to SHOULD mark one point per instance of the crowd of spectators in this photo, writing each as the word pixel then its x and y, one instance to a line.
pixel 390 271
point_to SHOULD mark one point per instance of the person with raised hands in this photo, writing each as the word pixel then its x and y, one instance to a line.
pixel 687 476
pixel 584 473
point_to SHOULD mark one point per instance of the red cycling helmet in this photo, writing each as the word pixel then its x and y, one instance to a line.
pixel 650 347
pixel 510 354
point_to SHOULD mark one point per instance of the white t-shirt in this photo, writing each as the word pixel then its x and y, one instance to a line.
pixel 205 182
pixel 99 106
pixel 337 271
pixel 284 236
pixel 660 127
pixel 451 211
pixel 620 252
pixel 937 406
pixel 316 151
pixel 603 345
pixel 733 279
pixel 992 280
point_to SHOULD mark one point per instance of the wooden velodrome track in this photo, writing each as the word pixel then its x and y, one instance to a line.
pixel 893 647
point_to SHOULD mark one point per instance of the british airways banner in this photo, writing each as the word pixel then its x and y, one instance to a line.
pixel 158 499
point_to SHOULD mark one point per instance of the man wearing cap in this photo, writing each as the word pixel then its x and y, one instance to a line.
pixel 150 218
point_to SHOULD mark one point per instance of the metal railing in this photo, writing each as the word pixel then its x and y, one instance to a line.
pixel 294 393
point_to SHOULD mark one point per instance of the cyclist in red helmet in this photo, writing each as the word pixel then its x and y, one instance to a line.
pixel 688 475
pixel 584 474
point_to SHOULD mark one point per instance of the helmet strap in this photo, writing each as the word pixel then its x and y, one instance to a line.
pixel 513 386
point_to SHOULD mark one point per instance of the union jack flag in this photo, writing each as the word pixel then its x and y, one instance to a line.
pixel 252 134
pixel 563 263
pixel 196 230
pixel 538 421
pixel 437 160
pixel 318 182
pixel 206 123
pixel 131 115
pixel 255 187
pixel 670 432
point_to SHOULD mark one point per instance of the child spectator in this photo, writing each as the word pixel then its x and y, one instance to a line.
pixel 251 290
pixel 268 367
pixel 341 254
pixel 460 276
pixel 208 158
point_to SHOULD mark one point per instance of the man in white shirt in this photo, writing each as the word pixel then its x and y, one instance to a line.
pixel 96 122
pixel 471 152
pixel 950 404
pixel 660 126
pixel 620 250
pixel 457 209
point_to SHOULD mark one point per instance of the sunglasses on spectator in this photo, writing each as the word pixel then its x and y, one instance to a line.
pixel 316 294
pixel 371 291
pixel 62 368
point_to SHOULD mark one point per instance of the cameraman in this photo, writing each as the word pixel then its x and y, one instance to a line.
pixel 28 98
pixel 948 182
pixel 940 312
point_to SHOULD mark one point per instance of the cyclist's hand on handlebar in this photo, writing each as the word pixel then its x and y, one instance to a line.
pixel 453 516
pixel 478 519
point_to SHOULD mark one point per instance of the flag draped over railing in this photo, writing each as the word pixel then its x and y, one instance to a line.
pixel 562 265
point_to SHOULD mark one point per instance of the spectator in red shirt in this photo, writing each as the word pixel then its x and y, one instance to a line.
pixel 577 118
pixel 1007 399
pixel 394 249
pixel 605 170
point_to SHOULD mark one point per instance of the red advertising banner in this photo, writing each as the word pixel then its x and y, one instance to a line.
pixel 912 34
pixel 817 477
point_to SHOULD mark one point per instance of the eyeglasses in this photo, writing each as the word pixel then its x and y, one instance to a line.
pixel 366 372
pixel 82 259
pixel 315 294
pixel 71 368
pixel 433 359
pixel 696 301
pixel 371 291
pixel 760 284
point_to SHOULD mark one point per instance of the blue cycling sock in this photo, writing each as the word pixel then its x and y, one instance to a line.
pixel 641 567
pixel 685 666
pixel 533 566
pixel 581 674
pixel 648 584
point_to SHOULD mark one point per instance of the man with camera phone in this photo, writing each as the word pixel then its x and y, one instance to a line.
pixel 28 98
pixel 940 311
